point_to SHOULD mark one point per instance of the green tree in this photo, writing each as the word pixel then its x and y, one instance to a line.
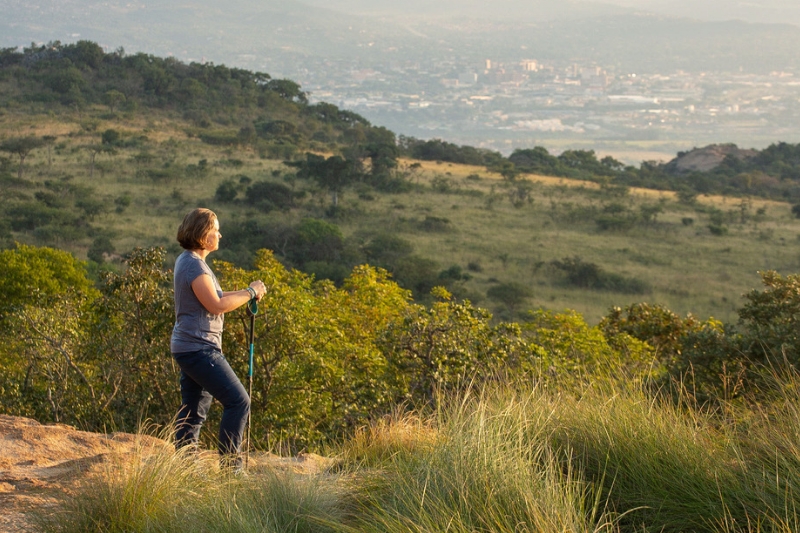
pixel 315 342
pixel 288 90
pixel 110 137
pixel 101 245
pixel 334 173
pixel 48 141
pixel 317 240
pixel 507 169
pixel 572 349
pixel 44 374
pixel 94 149
pixel 268 195
pixel 113 98
pixel 771 320
pixel 382 151
pixel 226 191
pixel 510 294
pixel 28 272
pixel 21 147
pixel 448 346
pixel 128 343
pixel 662 329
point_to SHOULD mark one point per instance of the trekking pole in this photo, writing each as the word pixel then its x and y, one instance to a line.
pixel 252 311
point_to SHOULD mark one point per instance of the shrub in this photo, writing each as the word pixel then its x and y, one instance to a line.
pixel 316 241
pixel 268 195
pixel 100 247
pixel 435 224
pixel 226 191
pixel 587 275
pixel 29 271
pixel 718 229
pixel 511 294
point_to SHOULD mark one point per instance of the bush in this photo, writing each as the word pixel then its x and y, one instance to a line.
pixel 226 191
pixel 384 249
pixel 616 217
pixel 28 271
pixel 587 275
pixel 268 195
pixel 316 241
pixel 435 224
pixel 511 294
pixel 718 229
pixel 100 247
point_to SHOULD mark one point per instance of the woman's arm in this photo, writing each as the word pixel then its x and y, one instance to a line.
pixel 204 289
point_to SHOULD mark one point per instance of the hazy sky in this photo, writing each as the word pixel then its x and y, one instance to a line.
pixel 772 11
pixel 761 11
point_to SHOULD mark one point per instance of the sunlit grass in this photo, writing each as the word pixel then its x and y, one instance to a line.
pixel 687 268
pixel 601 457
pixel 170 492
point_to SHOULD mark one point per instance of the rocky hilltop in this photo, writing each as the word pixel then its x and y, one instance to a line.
pixel 41 463
pixel 707 158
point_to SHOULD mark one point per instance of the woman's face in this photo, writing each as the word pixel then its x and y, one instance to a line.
pixel 213 237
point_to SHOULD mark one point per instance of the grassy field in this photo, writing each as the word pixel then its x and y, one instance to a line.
pixel 689 268
pixel 678 259
pixel 556 458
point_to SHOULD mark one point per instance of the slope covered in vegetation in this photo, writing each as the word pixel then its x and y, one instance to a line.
pixel 104 151
pixel 377 267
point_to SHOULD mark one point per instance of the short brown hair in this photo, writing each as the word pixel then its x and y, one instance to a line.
pixel 196 225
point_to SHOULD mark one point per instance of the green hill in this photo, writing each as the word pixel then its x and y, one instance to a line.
pixel 105 152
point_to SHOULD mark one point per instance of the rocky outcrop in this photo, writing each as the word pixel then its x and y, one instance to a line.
pixel 708 158
pixel 40 463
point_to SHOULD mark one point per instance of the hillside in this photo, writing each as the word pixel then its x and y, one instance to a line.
pixel 122 145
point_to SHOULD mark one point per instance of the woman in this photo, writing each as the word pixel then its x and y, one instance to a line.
pixel 196 343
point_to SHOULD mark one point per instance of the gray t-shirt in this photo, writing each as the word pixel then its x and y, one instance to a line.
pixel 195 328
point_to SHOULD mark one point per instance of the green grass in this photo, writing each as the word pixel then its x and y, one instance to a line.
pixel 686 267
pixel 170 492
pixel 606 456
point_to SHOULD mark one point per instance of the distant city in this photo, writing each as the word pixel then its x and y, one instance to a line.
pixel 563 75
pixel 518 104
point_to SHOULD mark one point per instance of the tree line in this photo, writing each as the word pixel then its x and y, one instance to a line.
pixel 329 359
pixel 773 172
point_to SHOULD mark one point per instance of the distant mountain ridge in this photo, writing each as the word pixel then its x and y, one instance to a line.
pixel 279 36
pixel 763 11
pixel 519 10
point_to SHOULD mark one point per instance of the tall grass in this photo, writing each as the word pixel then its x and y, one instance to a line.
pixel 170 491
pixel 488 469
pixel 602 457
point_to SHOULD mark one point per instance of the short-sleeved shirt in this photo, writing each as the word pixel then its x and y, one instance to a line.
pixel 195 328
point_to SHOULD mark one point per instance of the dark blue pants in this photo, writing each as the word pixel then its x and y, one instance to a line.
pixel 206 374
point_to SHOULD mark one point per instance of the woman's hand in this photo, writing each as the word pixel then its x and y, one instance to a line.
pixel 260 288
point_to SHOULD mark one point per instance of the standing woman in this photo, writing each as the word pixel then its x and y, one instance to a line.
pixel 196 343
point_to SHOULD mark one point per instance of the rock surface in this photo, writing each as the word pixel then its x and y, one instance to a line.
pixel 708 158
pixel 41 464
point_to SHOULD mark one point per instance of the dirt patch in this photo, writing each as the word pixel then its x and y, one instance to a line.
pixel 41 464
